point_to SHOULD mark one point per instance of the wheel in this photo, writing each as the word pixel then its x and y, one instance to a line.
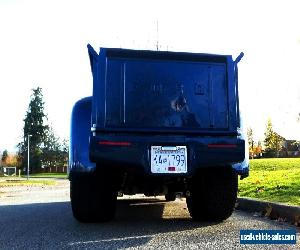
pixel 93 198
pixel 170 196
pixel 213 194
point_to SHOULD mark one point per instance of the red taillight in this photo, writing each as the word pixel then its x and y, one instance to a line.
pixel 222 145
pixel 115 143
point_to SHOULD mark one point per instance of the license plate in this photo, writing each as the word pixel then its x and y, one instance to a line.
pixel 168 159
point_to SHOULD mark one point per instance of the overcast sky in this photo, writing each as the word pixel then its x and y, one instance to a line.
pixel 43 43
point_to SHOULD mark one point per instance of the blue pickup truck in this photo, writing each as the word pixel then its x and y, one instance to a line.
pixel 158 123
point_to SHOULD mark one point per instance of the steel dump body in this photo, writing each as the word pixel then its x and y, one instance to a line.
pixel 167 92
pixel 151 98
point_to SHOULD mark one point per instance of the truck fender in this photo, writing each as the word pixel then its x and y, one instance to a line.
pixel 79 137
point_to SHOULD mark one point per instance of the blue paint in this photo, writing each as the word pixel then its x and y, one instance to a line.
pixel 159 98
pixel 79 137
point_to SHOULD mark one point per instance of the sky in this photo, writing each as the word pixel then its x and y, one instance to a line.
pixel 43 43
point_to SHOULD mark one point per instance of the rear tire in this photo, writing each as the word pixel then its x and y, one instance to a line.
pixel 93 198
pixel 213 194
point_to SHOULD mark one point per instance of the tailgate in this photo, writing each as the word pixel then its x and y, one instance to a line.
pixel 162 92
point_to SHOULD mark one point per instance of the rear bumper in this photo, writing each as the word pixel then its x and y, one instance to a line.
pixel 132 152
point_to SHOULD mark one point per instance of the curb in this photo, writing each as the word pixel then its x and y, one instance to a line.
pixel 275 211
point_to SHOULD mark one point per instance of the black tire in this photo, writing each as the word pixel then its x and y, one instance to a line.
pixel 170 196
pixel 93 198
pixel 213 194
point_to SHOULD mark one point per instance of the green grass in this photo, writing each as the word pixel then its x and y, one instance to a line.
pixel 276 180
pixel 48 175
pixel 24 182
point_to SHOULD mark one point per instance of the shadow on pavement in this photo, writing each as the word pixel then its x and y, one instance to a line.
pixel 51 225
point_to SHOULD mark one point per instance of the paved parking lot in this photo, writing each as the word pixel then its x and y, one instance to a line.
pixel 41 218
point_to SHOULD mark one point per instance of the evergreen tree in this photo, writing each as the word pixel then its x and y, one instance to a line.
pixel 34 126
pixel 273 141
pixel 46 150
pixel 51 149
pixel 4 157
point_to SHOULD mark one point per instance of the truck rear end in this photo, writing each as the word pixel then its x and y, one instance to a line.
pixel 166 123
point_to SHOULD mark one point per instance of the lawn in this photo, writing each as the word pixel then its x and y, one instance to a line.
pixel 23 182
pixel 276 180
pixel 49 175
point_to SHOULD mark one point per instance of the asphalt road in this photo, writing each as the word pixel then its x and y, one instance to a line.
pixel 41 218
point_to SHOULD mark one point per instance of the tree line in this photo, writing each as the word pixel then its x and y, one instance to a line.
pixel 45 148
pixel 272 145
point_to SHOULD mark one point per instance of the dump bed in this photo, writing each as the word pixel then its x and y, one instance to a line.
pixel 174 92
